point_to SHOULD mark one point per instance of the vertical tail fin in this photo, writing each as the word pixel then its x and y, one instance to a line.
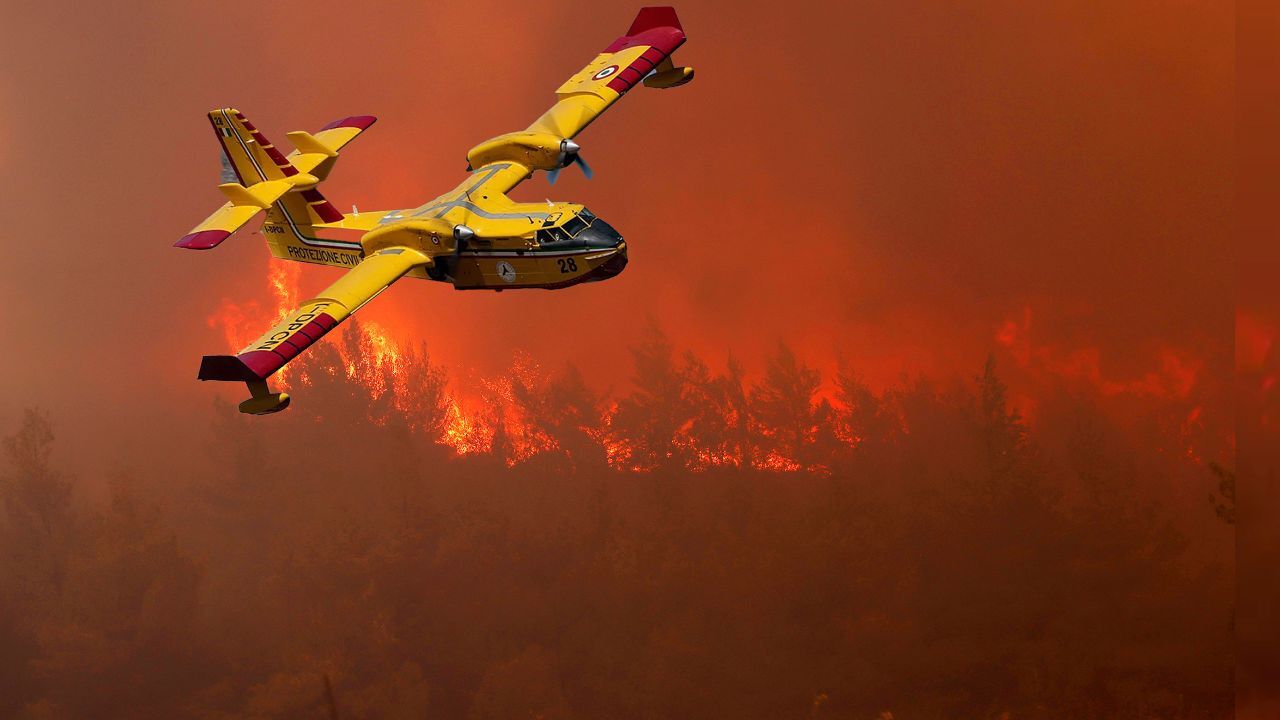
pixel 249 157
pixel 246 150
pixel 257 177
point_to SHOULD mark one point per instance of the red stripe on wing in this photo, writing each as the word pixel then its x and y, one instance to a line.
pixel 659 28
pixel 665 39
pixel 261 364
pixel 654 17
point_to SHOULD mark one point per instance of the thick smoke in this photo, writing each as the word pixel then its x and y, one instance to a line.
pixel 805 493
pixel 700 546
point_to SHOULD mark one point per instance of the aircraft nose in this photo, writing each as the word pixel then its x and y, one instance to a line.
pixel 601 235
pixel 615 264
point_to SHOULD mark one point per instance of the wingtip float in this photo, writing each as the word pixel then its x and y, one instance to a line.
pixel 473 237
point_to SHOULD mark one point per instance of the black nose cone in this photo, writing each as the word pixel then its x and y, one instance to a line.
pixel 613 265
pixel 600 235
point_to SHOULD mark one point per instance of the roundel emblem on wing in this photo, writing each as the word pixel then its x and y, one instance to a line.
pixel 506 271
pixel 605 73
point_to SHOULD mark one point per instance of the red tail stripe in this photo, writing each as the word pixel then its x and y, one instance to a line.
pixel 321 205
pixel 355 121
pixel 203 240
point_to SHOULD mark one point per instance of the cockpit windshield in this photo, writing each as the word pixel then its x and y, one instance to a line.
pixel 571 228
pixel 575 225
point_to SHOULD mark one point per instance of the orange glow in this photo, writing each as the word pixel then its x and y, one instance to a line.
pixel 499 414
pixel 1174 377
pixel 241 323
pixel 475 415
pixel 1255 338
pixel 891 190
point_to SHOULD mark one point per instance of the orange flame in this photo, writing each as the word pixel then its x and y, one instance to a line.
pixel 242 323
pixel 465 433
pixel 506 415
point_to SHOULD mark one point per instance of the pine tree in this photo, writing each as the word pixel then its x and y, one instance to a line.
pixel 652 415
pixel 782 405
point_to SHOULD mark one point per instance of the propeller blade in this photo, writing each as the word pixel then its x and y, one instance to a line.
pixel 586 169
pixel 551 176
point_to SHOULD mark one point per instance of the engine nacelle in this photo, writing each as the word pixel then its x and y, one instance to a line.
pixel 534 150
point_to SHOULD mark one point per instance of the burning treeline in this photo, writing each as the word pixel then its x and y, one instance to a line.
pixel 695 546
pixel 788 420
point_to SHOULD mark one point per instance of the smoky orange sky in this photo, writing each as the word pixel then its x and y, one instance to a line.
pixel 905 185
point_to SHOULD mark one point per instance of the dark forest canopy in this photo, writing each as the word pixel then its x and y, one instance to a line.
pixel 700 546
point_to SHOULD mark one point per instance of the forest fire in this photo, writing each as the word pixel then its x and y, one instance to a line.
pixel 463 432
pixel 242 322
pixel 976 261
pixel 504 415
pixel 1173 379
pixel 496 419
pixel 1172 383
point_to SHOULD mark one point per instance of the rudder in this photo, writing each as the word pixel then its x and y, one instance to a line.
pixel 250 155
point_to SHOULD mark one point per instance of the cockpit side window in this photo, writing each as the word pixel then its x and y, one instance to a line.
pixel 552 234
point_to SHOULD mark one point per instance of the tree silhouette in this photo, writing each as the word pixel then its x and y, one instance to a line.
pixel 865 419
pixel 35 495
pixel 921 551
pixel 652 415
pixel 782 405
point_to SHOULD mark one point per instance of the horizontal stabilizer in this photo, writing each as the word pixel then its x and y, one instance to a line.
pixel 308 143
pixel 260 195
pixel 246 202
pixel 202 239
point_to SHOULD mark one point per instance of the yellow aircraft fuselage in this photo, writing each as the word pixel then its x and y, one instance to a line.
pixel 473 237
pixel 509 245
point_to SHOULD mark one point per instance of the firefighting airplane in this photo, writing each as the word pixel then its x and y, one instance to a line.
pixel 473 236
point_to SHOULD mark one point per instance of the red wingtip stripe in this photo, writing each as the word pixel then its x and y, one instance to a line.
pixel 355 121
pixel 665 39
pixel 202 240
pixel 261 364
pixel 654 17
pixel 265 362
pixel 662 42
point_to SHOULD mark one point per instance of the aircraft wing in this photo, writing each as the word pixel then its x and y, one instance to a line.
pixel 644 52
pixel 315 318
